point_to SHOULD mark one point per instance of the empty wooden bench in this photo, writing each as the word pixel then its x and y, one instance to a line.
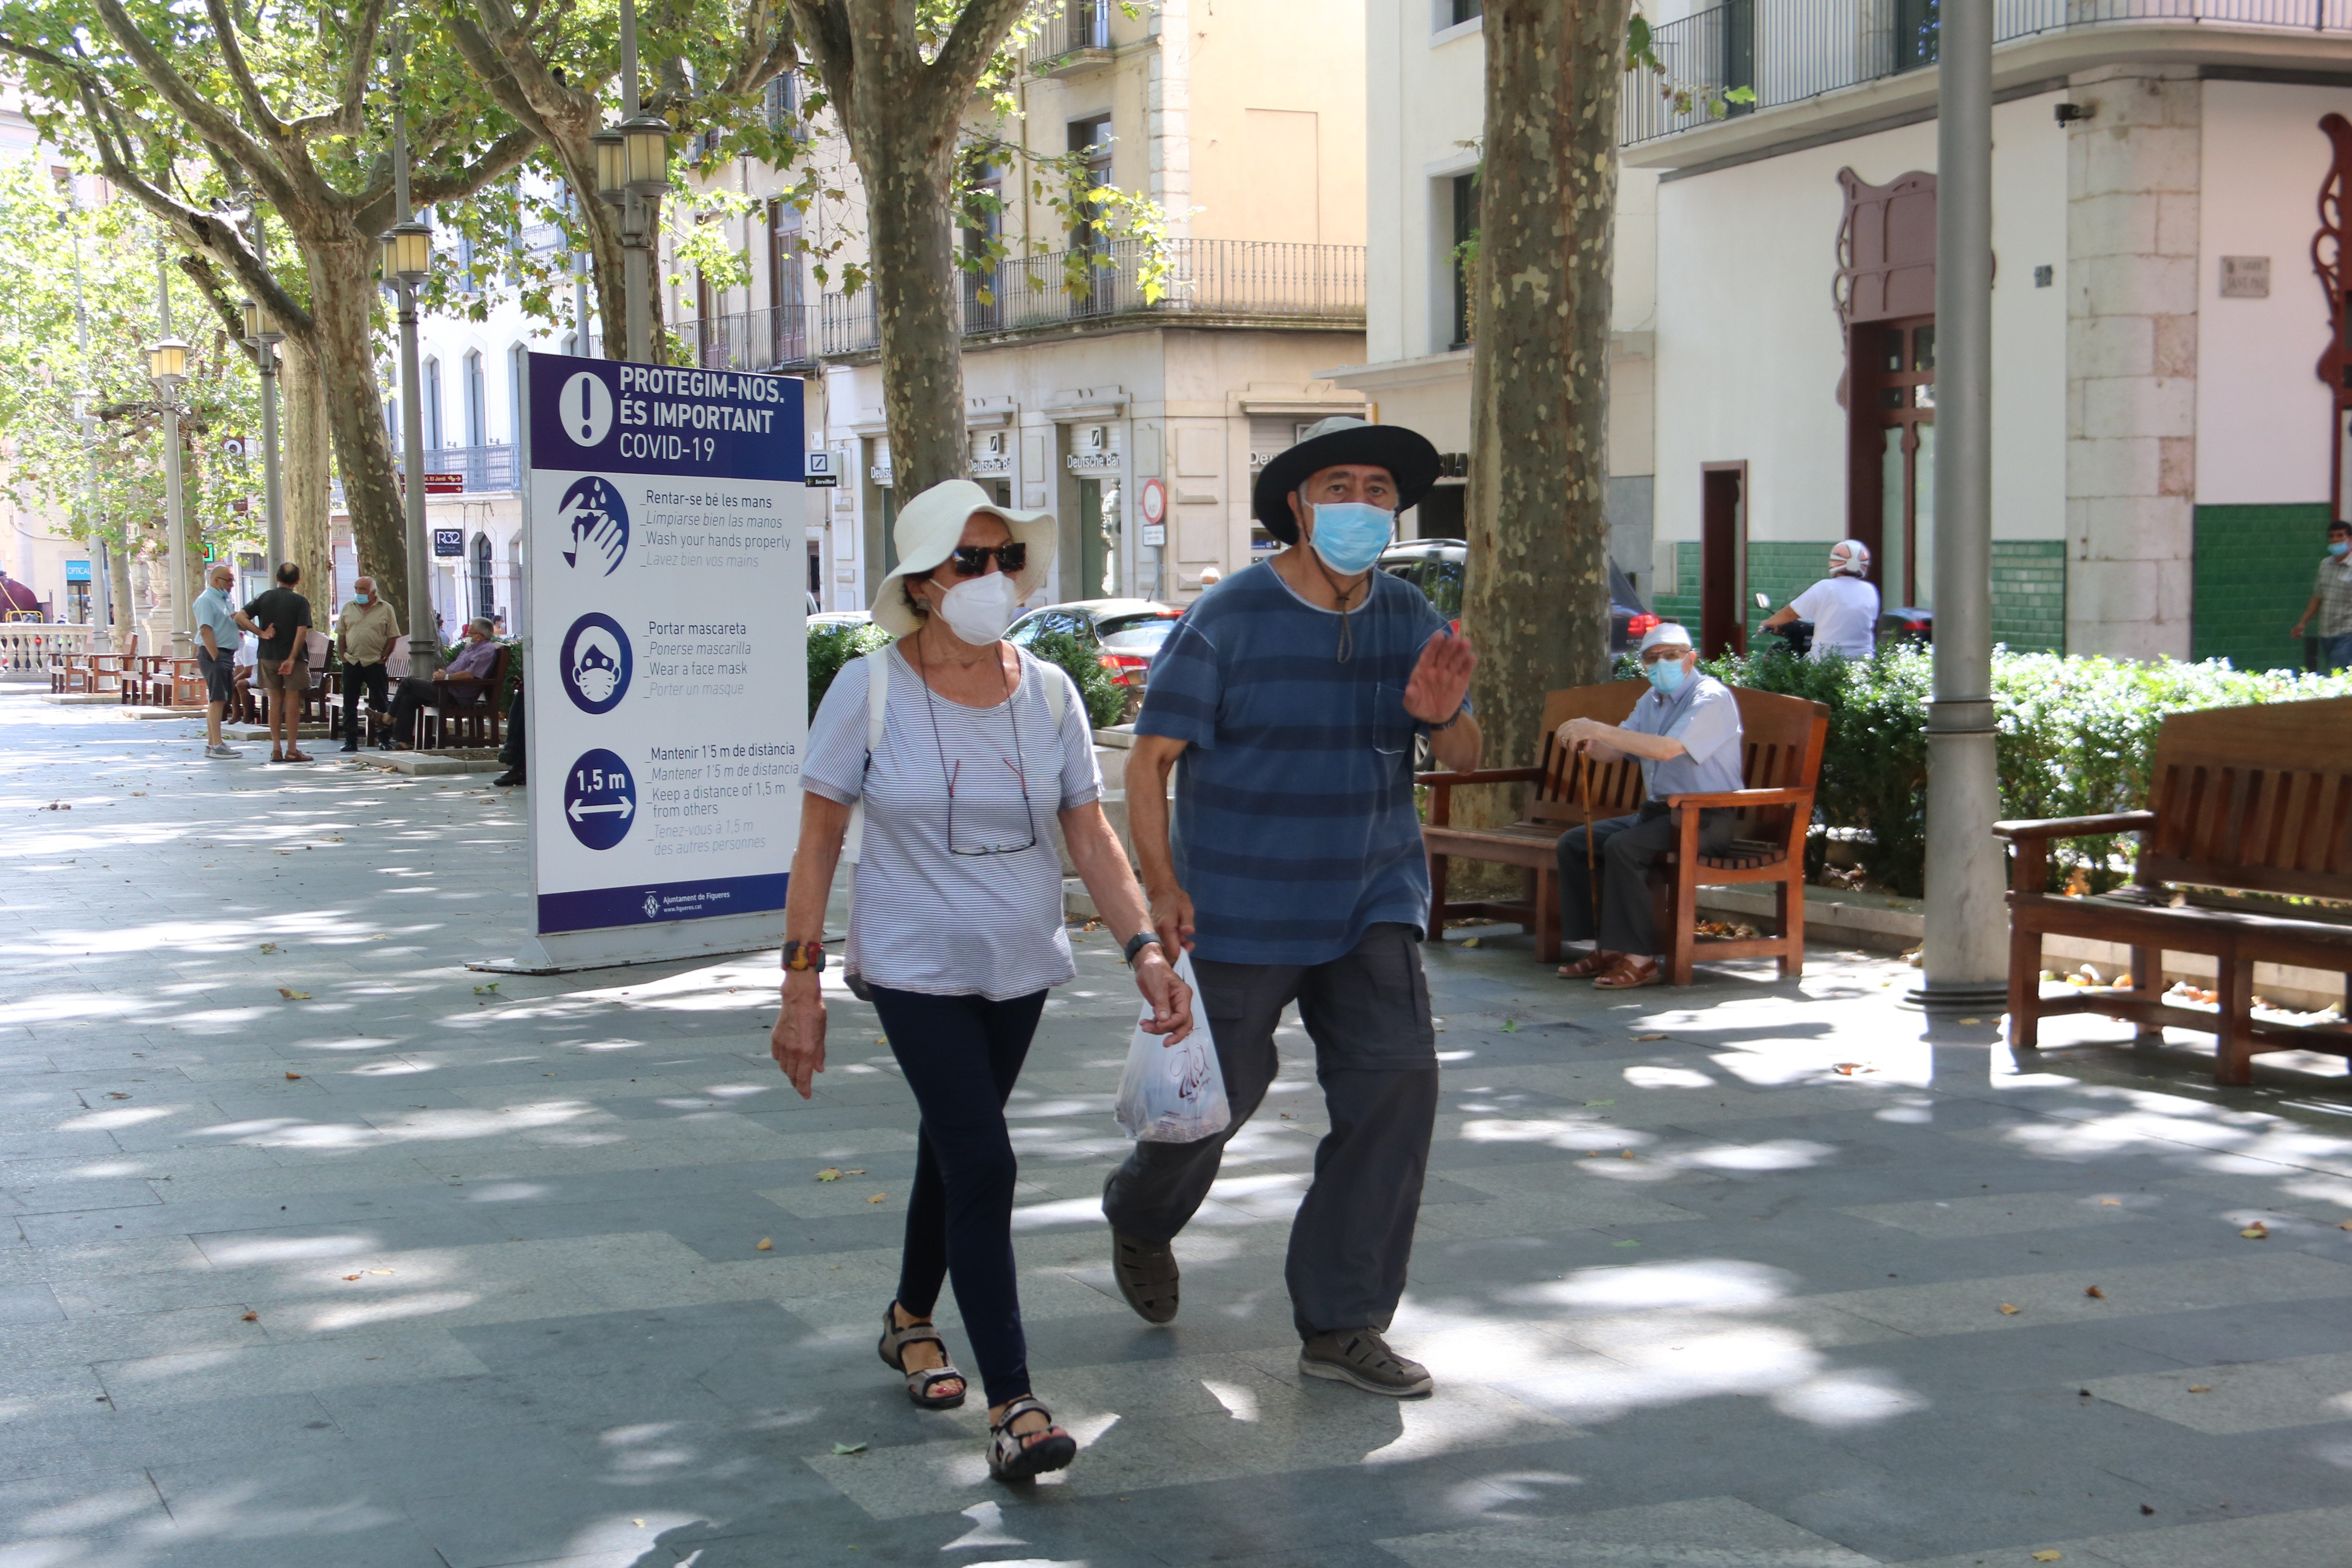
pixel 2242 802
pixel 1782 739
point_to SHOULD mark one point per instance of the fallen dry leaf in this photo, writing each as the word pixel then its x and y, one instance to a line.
pixel 2344 1225
pixel 293 995
pixel 1625 1154
pixel 351 1275
pixel 1649 1037
pixel 2048 1556
pixel 2007 1311
pixel 638 1522
pixel 849 1448
pixel 269 947
pixel 2094 1292
pixel 767 1244
pixel 2257 1231
pixel 2111 1203
pixel 118 1094
pixel 2145 1509
pixel 379 1271
pixel 877 1197
pixel 293 1075
pixel 2201 1388
pixel 854 1171
pixel 830 1174
pixel 251 1318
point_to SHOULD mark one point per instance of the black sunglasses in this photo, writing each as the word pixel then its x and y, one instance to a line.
pixel 971 560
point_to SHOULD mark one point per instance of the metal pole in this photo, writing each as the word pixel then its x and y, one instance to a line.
pixel 272 489
pixel 1966 961
pixel 183 622
pixel 424 636
pixel 636 274
pixel 101 578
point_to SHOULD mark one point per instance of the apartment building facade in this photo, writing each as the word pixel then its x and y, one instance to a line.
pixel 2170 326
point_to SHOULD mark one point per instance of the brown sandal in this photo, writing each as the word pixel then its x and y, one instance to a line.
pixel 1629 973
pixel 1592 964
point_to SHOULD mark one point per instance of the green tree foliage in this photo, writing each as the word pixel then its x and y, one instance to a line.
pixel 832 646
pixel 1106 699
pixel 46 380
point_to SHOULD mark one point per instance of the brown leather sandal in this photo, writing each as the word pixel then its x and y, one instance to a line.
pixel 1629 973
pixel 1597 962
pixel 1020 1457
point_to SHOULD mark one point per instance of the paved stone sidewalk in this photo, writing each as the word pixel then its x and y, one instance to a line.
pixel 407 1270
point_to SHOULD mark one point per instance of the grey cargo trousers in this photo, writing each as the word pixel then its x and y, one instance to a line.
pixel 1376 1058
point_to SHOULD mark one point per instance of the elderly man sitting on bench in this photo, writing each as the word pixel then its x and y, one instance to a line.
pixel 1685 733
pixel 463 684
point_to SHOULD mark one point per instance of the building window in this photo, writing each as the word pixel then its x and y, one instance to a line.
pixel 787 297
pixel 518 371
pixel 1916 29
pixel 484 579
pixel 1466 11
pixel 428 383
pixel 1460 329
pixel 478 414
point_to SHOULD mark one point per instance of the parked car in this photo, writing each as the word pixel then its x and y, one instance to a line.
pixel 1436 566
pixel 838 618
pixel 1126 634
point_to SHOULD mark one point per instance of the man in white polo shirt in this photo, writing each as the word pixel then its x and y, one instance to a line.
pixel 1685 733
pixel 1843 607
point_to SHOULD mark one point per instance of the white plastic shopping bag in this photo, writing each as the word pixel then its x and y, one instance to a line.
pixel 1174 1094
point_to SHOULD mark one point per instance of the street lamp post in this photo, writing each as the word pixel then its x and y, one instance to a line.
pixel 101 575
pixel 632 175
pixel 407 260
pixel 259 331
pixel 167 364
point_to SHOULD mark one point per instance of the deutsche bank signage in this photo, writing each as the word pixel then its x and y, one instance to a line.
pixel 669 653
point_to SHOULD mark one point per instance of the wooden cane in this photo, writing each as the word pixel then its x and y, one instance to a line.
pixel 1592 864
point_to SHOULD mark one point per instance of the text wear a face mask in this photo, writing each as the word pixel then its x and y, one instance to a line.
pixel 979 609
pixel 1351 535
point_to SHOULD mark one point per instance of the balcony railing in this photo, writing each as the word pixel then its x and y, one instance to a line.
pixel 771 338
pixel 484 468
pixel 1239 281
pixel 1076 32
pixel 1786 51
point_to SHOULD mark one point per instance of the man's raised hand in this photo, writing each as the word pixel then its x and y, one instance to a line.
pixel 1441 679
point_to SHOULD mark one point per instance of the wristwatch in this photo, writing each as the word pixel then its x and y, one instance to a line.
pixel 805 955
pixel 1137 943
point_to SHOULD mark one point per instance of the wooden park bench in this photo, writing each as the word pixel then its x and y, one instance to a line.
pixel 2254 800
pixel 1783 738
pixel 478 721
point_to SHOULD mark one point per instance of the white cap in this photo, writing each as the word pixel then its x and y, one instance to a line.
pixel 1665 634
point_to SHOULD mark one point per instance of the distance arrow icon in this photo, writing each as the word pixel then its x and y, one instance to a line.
pixel 582 813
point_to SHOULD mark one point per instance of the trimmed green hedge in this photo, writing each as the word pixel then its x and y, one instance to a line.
pixel 2077 738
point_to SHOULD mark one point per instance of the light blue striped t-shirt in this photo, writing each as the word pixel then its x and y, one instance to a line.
pixel 1294 826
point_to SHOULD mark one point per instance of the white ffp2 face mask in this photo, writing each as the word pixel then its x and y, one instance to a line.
pixel 979 609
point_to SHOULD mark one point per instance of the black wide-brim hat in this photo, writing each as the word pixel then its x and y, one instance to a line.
pixel 1407 454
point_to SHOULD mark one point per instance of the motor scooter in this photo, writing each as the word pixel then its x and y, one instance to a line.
pixel 1796 636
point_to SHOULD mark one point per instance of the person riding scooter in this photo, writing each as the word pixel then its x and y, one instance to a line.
pixel 1843 607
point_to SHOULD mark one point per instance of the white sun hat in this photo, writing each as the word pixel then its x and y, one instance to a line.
pixel 931 525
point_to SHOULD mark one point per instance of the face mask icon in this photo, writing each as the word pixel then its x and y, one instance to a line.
pixel 594 664
pixel 598 671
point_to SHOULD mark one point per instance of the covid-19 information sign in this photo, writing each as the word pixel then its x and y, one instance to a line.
pixel 667 661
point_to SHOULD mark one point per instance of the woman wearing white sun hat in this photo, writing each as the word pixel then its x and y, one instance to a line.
pixel 955 928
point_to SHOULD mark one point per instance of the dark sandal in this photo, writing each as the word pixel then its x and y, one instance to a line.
pixel 1146 1275
pixel 1592 964
pixel 920 1379
pixel 1030 1454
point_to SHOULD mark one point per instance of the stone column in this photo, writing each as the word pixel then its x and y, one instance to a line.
pixel 2132 180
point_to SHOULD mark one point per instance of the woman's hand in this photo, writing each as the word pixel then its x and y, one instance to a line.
pixel 798 1040
pixel 1171 998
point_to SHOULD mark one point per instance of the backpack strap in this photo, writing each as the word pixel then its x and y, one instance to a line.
pixel 1057 692
pixel 877 703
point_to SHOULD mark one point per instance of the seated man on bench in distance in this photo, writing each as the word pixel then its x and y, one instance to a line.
pixel 463 683
pixel 1685 733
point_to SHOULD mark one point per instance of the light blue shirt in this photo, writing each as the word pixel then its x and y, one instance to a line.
pixel 213 609
pixel 1704 716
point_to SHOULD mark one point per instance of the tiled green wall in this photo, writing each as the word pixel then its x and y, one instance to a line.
pixel 2029 595
pixel 2253 572
pixel 2028 587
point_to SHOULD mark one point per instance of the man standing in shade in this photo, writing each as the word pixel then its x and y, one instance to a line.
pixel 280 618
pixel 2331 601
pixel 216 620
pixel 364 634
pixel 1294 694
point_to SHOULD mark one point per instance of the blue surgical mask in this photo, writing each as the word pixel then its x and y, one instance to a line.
pixel 363 598
pixel 1350 535
pixel 1666 676
pixel 2337 546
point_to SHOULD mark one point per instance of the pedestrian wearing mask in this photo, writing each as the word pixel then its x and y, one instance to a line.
pixel 216 620
pixel 1686 732
pixel 2331 601
pixel 955 928
pixel 1294 692
pixel 1843 607
pixel 364 634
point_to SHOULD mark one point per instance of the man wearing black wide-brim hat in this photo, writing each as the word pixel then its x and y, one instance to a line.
pixel 1294 692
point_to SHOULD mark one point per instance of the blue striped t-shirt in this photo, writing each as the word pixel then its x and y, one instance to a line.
pixel 1294 826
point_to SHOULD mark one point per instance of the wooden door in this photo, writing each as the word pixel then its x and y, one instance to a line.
pixel 1723 559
